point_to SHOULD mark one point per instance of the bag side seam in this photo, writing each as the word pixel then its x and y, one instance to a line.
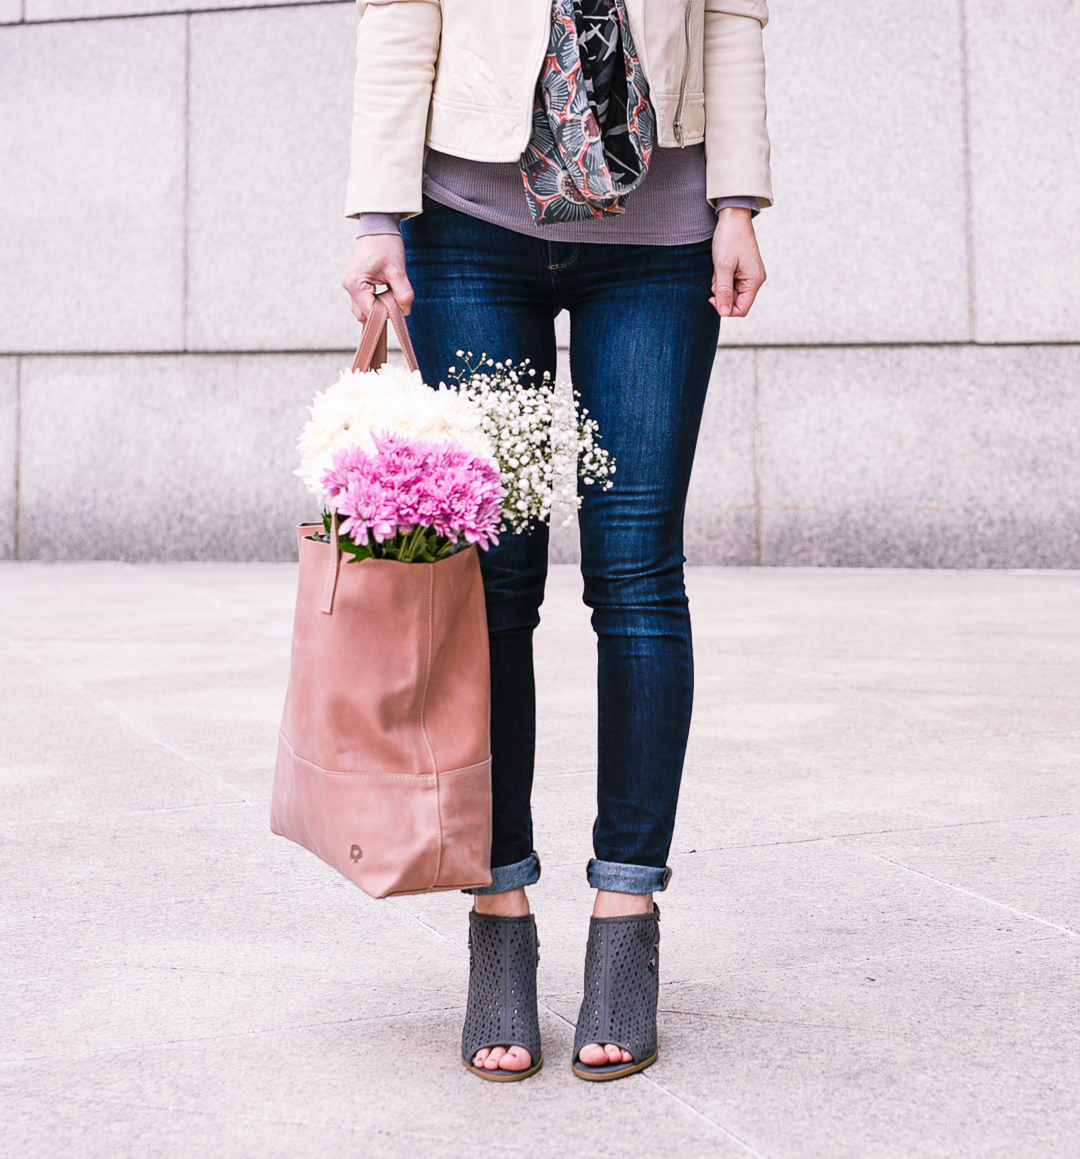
pixel 423 722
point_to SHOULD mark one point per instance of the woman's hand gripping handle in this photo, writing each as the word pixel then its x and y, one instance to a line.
pixel 738 272
pixel 377 260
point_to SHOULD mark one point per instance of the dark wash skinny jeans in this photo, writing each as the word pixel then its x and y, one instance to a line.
pixel 643 338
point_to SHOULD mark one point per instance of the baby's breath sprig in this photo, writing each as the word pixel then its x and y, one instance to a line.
pixel 542 439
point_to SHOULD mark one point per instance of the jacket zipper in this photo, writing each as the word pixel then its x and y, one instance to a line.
pixel 685 73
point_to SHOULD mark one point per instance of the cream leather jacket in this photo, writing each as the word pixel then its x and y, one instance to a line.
pixel 460 75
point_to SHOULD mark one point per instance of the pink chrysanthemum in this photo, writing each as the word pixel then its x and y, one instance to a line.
pixel 405 485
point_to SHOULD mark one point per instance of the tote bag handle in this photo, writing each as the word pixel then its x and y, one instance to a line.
pixel 371 353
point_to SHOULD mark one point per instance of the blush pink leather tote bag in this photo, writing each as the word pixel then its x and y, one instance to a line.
pixel 384 758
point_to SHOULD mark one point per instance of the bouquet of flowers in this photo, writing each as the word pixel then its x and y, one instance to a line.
pixel 417 474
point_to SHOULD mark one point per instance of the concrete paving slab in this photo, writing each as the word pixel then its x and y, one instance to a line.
pixel 564 804
pixel 184 982
pixel 337 1077
pixel 102 1129
pixel 736 910
pixel 149 858
pixel 878 785
pixel 818 1054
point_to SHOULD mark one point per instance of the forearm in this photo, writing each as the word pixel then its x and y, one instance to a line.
pixel 736 138
pixel 397 45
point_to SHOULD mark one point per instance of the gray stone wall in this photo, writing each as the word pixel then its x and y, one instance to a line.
pixel 171 243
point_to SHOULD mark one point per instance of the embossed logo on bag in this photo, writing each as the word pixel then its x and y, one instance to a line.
pixel 356 853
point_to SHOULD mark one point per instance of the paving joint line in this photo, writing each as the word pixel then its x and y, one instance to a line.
pixel 82 818
pixel 867 833
pixel 998 944
pixel 970 893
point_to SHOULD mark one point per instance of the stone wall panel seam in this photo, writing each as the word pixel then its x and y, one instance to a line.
pixel 152 13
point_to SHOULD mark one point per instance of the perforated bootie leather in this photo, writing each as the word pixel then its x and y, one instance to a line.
pixel 503 955
pixel 622 985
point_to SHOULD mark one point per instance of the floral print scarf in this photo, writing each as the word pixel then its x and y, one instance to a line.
pixel 592 121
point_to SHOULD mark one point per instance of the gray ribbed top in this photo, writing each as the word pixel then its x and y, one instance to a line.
pixel 668 208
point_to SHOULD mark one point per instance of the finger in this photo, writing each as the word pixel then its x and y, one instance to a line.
pixel 745 293
pixel 361 294
pixel 364 300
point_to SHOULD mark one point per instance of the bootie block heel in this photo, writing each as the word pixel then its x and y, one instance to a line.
pixel 622 984
pixel 503 953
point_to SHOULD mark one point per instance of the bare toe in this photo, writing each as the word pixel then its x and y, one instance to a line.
pixel 493 1057
pixel 593 1054
pixel 516 1058
pixel 481 1056
pixel 614 1053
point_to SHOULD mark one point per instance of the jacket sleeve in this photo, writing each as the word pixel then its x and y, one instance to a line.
pixel 736 139
pixel 397 45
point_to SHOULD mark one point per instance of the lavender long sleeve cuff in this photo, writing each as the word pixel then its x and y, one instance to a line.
pixel 369 224
pixel 751 203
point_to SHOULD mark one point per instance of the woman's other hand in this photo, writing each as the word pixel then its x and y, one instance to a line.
pixel 377 260
pixel 738 272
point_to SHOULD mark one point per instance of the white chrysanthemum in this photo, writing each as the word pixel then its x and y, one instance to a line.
pixel 388 400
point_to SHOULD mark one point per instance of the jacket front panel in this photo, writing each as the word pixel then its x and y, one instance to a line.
pixel 460 76
pixel 489 60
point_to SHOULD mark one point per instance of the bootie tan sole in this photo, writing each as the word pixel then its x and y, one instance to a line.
pixel 614 1070
pixel 502 1076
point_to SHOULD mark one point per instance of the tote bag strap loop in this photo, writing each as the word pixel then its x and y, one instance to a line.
pixel 371 353
pixel 333 570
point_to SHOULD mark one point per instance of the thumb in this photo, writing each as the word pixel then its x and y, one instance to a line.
pixel 724 292
pixel 401 288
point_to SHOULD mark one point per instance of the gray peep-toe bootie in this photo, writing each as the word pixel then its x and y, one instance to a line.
pixel 503 953
pixel 622 984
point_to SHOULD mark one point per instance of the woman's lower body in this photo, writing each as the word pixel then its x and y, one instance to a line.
pixel 642 341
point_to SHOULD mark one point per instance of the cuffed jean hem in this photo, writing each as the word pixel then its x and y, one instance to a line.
pixel 507 877
pixel 619 878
